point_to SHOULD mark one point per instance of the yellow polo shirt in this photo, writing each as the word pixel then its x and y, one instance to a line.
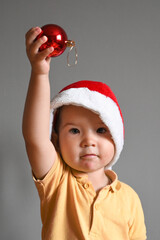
pixel 71 209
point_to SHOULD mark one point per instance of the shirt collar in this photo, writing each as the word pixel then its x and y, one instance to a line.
pixel 114 185
pixel 80 176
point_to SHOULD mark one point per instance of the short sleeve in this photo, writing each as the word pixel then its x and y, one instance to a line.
pixel 137 228
pixel 49 183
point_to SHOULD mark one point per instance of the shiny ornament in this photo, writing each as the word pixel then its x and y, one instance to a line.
pixel 57 38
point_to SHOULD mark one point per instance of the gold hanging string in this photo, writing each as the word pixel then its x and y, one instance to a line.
pixel 71 44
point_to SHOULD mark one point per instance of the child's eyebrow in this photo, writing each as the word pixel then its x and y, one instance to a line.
pixel 101 123
pixel 68 124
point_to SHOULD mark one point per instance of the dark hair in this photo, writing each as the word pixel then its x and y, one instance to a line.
pixel 56 120
pixel 55 129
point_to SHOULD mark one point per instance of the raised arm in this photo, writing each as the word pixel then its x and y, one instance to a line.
pixel 36 118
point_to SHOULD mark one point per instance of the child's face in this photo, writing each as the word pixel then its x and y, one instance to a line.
pixel 84 140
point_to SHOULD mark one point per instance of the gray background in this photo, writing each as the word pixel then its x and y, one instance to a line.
pixel 118 42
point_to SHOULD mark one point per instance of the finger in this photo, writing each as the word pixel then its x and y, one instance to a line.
pixel 31 35
pixel 45 53
pixel 39 42
pixel 33 49
pixel 48 59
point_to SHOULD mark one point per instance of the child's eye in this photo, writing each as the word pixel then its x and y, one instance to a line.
pixel 74 130
pixel 102 130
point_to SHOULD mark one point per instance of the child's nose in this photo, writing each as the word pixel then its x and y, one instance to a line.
pixel 88 141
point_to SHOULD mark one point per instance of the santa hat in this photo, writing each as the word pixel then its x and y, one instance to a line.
pixel 99 98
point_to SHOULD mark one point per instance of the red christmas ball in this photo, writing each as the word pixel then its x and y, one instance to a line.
pixel 57 38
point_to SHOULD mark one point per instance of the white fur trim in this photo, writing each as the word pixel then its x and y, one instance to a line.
pixel 104 106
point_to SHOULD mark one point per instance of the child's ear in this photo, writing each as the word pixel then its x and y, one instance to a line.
pixel 54 139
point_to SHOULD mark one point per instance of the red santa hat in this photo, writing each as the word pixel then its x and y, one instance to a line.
pixel 99 98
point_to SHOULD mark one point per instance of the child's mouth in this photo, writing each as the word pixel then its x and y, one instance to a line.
pixel 88 156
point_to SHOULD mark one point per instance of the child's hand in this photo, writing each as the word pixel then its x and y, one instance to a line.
pixel 40 61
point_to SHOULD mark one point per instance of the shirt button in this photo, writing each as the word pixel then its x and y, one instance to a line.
pixel 86 185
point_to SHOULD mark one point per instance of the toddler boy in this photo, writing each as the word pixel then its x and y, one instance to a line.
pixel 81 199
